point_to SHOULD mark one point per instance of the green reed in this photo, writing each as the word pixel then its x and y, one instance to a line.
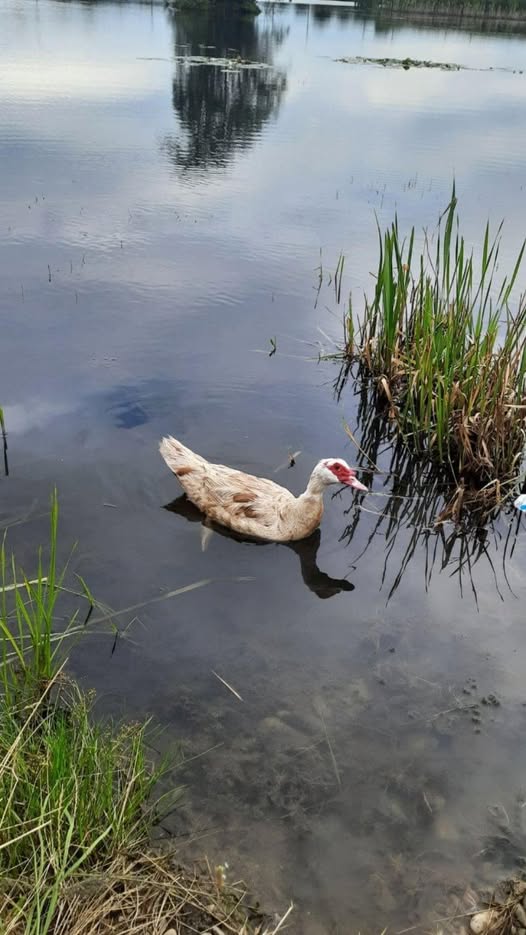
pixel 74 793
pixel 30 642
pixel 448 355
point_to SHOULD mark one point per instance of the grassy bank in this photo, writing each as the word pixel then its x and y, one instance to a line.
pixel 447 355
pixel 79 799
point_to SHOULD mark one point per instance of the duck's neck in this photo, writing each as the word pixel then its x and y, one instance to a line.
pixel 315 487
pixel 308 509
pixel 312 498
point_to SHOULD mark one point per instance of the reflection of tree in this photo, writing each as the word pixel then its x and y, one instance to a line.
pixel 222 106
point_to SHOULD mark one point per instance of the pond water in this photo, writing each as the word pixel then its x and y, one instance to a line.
pixel 161 221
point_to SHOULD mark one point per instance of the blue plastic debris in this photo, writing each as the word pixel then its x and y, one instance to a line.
pixel 520 503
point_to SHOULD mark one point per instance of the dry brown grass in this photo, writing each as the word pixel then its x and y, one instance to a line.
pixel 149 894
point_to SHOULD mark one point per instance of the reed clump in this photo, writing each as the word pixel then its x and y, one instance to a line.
pixel 447 354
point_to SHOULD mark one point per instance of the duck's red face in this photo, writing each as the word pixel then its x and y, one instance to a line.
pixel 344 474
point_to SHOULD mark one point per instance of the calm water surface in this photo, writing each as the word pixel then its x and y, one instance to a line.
pixel 159 223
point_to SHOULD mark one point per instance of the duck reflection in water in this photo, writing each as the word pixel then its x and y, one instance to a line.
pixel 316 580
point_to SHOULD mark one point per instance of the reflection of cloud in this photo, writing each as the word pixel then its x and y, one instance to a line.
pixel 121 406
pixel 84 80
pixel 35 413
pixel 417 120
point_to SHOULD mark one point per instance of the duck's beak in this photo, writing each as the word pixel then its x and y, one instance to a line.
pixel 353 481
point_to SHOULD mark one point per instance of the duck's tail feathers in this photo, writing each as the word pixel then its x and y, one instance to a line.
pixel 178 457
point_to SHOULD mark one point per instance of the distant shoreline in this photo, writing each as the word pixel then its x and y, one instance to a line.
pixel 445 9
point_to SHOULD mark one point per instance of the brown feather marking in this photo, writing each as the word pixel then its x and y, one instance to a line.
pixel 250 512
pixel 242 498
pixel 184 470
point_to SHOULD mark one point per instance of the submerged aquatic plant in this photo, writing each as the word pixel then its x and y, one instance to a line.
pixel 405 63
pixel 447 355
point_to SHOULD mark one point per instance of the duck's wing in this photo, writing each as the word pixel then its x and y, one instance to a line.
pixel 236 499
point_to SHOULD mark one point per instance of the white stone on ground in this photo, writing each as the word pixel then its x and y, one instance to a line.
pixel 481 921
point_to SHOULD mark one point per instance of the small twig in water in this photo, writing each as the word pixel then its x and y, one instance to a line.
pixel 412 928
pixel 4 442
pixel 165 597
pixel 360 449
pixel 234 692
pixel 331 751
pixel 282 920
pixel 460 707
pixel 426 800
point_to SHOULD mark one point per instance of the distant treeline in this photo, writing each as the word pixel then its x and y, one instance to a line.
pixel 514 9
pixel 454 7
pixel 502 12
pixel 484 17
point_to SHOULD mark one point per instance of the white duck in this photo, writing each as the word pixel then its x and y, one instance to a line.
pixel 255 506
